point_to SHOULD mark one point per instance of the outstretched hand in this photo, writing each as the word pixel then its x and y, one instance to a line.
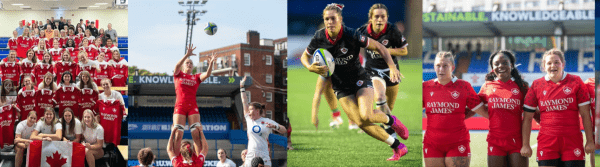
pixel 243 82
pixel 212 57
pixel 190 49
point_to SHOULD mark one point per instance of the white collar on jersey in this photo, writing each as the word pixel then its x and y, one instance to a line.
pixel 64 88
pixel 46 90
pixel 454 79
pixel 511 78
pixel 88 90
pixel 548 77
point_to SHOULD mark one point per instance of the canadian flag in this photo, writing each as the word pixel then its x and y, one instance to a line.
pixel 55 154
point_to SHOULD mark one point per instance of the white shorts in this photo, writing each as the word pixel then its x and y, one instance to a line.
pixel 264 155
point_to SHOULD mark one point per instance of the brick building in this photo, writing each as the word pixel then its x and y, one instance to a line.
pixel 265 60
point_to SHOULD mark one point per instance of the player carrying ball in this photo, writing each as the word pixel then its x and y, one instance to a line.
pixel 561 98
pixel 350 81
pixel 186 86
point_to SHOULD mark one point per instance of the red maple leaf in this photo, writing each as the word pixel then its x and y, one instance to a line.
pixel 56 160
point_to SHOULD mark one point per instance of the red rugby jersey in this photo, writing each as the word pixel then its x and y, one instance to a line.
pixel 186 86
pixel 8 114
pixel 56 54
pixel 61 67
pixel 505 106
pixel 106 71
pixel 90 67
pixel 43 100
pixel 27 68
pixel 40 70
pixel 39 53
pixel 11 71
pixel 119 75
pixel 445 108
pixel 67 96
pixel 111 116
pixel 23 44
pixel 91 51
pixel 558 103
pixel 26 102
pixel 73 52
pixel 87 101
pixel 34 41
pixel 591 87
pixel 177 161
pixel 12 44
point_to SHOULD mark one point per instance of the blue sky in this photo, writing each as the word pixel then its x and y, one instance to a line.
pixel 157 32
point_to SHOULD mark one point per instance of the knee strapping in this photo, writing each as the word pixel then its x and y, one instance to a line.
pixel 194 126
pixel 179 127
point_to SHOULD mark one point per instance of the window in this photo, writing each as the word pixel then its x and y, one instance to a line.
pixel 269 97
pixel 247 59
pixel 248 96
pixel 269 60
pixel 247 74
pixel 219 63
pixel 552 2
pixel 457 9
pixel 233 64
pixel 284 63
pixel 285 45
pixel 531 4
pixel 270 114
pixel 478 8
pixel 515 5
pixel 571 1
pixel 269 78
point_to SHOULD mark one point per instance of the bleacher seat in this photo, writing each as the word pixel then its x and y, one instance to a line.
pixel 479 64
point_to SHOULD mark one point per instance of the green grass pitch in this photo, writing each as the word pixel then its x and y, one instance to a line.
pixel 343 147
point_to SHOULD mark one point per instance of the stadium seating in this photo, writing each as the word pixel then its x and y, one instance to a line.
pixel 165 114
pixel 122 45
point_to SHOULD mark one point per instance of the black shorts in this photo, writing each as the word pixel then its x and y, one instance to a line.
pixel 383 74
pixel 350 87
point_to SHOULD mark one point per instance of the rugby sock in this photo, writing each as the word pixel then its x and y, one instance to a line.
pixel 396 144
pixel 390 121
pixel 335 112
pixel 390 140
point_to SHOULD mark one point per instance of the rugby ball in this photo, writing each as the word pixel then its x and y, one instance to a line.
pixel 211 28
pixel 325 59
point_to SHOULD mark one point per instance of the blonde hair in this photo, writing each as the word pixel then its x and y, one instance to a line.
pixel 94 121
pixel 551 52
pixel 335 7
pixel 377 6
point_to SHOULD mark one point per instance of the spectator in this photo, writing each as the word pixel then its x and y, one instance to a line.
pixel 257 162
pixel 69 24
pixel 111 32
pixel 93 29
pixel 102 36
pixel 81 24
pixel 41 25
pixel 146 157
pixel 20 28
pixel 48 23
pixel 224 161
pixel 49 32
pixel 244 152
pixel 56 26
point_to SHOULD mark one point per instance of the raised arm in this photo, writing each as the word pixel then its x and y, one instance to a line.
pixel 374 45
pixel 203 146
pixel 244 98
pixel 190 49
pixel 208 72
pixel 171 144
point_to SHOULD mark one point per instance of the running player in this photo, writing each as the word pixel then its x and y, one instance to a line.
pixel 350 81
pixel 503 92
pixel 184 154
pixel 446 142
pixel 389 36
pixel 258 127
pixel 186 87
pixel 561 98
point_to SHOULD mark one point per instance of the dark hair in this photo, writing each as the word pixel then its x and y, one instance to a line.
pixel 514 72
pixel 62 81
pixel 145 156
pixel 64 122
pixel 259 106
pixel 72 44
pixel 256 161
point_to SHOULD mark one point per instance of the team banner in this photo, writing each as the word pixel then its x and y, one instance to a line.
pixel 55 154
pixel 213 80
pixel 160 130
pixel 169 101
pixel 555 15
pixel 477 79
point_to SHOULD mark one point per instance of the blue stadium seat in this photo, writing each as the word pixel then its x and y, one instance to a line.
pixel 523 60
pixel 3 45
pixel 571 56
pixel 479 65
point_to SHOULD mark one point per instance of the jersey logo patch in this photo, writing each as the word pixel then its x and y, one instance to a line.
pixel 431 93
pixel 541 153
pixel 256 129
pixel 567 90
pixel 384 42
pixel 491 148
pixel 344 50
pixel 494 90
pixel 359 83
pixel 455 94
pixel 514 91
pixel 425 151
pixel 462 149
pixel 577 152
pixel 362 38
pixel 544 93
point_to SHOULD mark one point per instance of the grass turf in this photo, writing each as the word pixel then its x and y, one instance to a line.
pixel 343 147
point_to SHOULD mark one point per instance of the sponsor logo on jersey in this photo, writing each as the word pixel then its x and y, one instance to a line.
pixel 541 153
pixel 256 129
pixel 577 152
pixel 359 83
pixel 514 91
pixel 425 151
pixel 344 50
pixel 544 93
pixel 431 93
pixel 384 42
pixel 362 38
pixel 462 149
pixel 491 149
pixel 494 90
pixel 567 90
pixel 455 94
